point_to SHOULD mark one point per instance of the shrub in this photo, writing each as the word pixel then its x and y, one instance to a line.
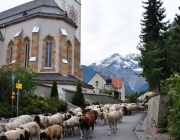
pixel 34 105
pixel 172 86
pixel 54 90
pixel 78 98
pixel 88 102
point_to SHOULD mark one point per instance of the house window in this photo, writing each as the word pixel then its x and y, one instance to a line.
pixel 96 83
pixel 11 52
pixel 48 53
pixel 26 61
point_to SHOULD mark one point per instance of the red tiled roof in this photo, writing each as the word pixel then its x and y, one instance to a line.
pixel 117 82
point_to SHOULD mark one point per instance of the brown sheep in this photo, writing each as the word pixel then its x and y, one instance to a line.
pixel 54 131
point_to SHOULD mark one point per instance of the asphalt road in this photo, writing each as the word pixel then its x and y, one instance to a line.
pixel 125 130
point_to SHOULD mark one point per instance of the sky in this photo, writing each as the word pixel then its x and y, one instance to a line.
pixel 108 26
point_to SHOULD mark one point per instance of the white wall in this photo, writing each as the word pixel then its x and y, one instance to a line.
pixel 101 82
pixel 70 87
pixel 47 26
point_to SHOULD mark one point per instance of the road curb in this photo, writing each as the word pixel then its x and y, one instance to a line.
pixel 140 129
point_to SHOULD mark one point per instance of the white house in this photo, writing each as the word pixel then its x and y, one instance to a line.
pixel 117 84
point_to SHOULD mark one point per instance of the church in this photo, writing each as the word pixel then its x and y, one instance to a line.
pixel 46 36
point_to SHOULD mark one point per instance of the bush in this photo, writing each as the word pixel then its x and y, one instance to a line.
pixel 88 102
pixel 172 86
pixel 54 90
pixel 33 105
pixel 78 98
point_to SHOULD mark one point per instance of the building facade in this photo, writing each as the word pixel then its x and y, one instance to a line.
pixel 41 35
pixel 44 35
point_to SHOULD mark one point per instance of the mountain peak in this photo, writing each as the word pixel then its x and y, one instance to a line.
pixel 123 66
pixel 119 61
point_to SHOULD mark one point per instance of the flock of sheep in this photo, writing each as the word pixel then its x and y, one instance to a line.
pixel 55 126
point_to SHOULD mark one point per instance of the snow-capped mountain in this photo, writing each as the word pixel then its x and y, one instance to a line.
pixel 119 66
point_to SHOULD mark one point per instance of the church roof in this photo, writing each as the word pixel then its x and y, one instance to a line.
pixel 31 9
pixel 62 79
pixel 117 82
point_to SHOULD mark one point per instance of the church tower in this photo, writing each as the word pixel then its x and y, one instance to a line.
pixel 73 9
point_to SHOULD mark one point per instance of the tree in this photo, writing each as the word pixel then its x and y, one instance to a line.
pixel 78 98
pixel 5 84
pixel 132 98
pixel 151 45
pixel 172 43
pixel 54 90
pixel 25 76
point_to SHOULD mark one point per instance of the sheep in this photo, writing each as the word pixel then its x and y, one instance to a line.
pixel 112 118
pixel 87 122
pixel 51 120
pixel 38 120
pixel 16 134
pixel 66 116
pixel 54 131
pixel 26 118
pixel 112 108
pixel 70 124
pixel 34 129
pixel 74 111
pixel 11 125
pixel 103 116
pixel 141 108
pixel 120 115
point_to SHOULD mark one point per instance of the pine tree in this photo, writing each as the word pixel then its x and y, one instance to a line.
pixel 172 41
pixel 78 98
pixel 151 45
pixel 54 90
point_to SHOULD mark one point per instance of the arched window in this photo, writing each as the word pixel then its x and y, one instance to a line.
pixel 68 48
pixel 67 52
pixel 11 51
pixel 48 53
pixel 26 55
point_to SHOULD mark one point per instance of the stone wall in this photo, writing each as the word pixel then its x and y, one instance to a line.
pixel 103 98
pixel 156 105
pixel 43 91
pixel 67 95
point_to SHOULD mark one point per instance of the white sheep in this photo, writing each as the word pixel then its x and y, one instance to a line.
pixel 112 108
pixel 120 115
pixel 11 125
pixel 52 120
pixel 70 124
pixel 54 131
pixel 33 128
pixel 15 134
pixel 103 116
pixel 113 118
pixel 26 118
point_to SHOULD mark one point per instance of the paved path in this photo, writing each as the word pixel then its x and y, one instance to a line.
pixel 125 130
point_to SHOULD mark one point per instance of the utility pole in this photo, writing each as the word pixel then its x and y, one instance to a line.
pixel 18 86
pixel 13 79
pixel 17 99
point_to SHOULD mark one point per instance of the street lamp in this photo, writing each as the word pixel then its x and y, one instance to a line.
pixel 13 79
